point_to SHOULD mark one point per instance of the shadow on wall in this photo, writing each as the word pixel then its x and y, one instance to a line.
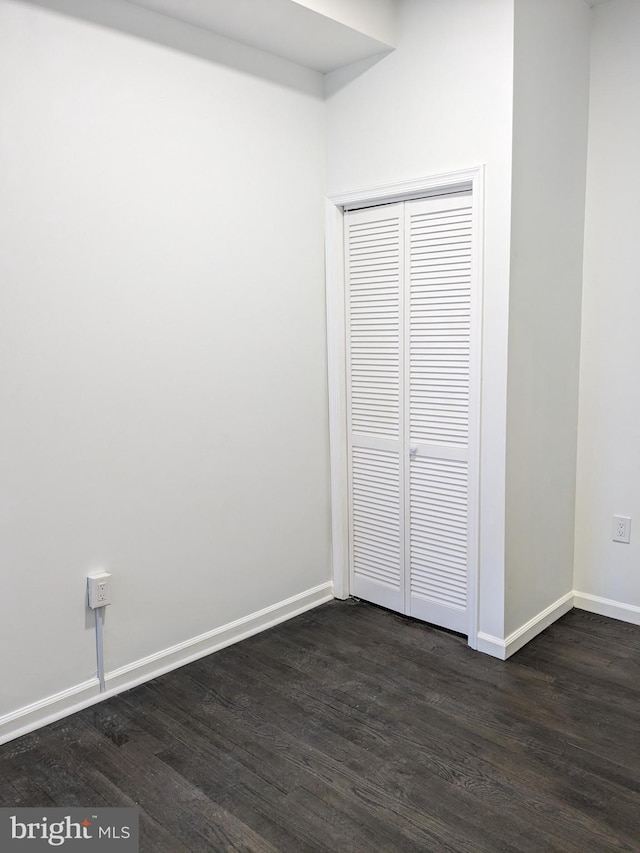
pixel 341 77
pixel 151 26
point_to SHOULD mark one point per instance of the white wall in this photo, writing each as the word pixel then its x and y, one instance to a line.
pixel 163 404
pixel 443 101
pixel 551 93
pixel 609 434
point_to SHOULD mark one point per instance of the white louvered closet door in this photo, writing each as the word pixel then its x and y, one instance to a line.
pixel 409 386
pixel 437 408
pixel 375 276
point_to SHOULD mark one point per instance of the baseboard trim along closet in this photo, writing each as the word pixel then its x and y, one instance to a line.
pixel 607 607
pixel 52 708
pixel 503 649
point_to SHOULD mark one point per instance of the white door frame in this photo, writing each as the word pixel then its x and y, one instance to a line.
pixel 335 205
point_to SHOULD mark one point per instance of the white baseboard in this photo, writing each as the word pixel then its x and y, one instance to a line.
pixel 503 649
pixel 488 644
pixel 52 708
pixel 607 607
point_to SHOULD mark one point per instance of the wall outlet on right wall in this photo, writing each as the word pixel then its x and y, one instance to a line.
pixel 621 531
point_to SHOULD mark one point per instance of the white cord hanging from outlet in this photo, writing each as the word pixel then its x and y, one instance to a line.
pixel 99 595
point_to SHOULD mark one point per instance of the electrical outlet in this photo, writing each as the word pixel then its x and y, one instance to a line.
pixel 99 589
pixel 621 528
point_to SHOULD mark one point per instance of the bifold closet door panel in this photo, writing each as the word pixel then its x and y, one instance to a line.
pixel 374 256
pixel 437 407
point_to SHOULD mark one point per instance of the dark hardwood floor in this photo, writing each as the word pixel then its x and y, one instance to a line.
pixel 351 728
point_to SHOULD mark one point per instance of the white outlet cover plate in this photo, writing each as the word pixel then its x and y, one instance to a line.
pixel 621 528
